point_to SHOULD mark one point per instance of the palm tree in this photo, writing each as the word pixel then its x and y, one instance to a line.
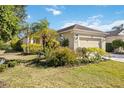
pixel 31 28
pixel 120 27
pixel 24 32
pixel 37 26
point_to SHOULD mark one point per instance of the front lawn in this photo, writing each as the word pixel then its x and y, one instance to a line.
pixel 17 56
pixel 104 74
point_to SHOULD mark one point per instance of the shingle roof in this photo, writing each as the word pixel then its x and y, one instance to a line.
pixel 76 26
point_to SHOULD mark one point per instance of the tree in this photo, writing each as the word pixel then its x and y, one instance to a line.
pixel 26 30
pixel 10 19
pixel 42 31
pixel 37 26
pixel 20 12
pixel 48 37
pixel 120 27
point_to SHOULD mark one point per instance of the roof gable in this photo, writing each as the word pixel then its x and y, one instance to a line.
pixel 80 27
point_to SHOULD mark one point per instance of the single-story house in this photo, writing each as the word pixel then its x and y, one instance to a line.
pixel 81 36
pixel 113 35
pixel 78 36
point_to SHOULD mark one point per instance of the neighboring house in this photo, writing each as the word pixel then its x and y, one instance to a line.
pixel 113 35
pixel 81 36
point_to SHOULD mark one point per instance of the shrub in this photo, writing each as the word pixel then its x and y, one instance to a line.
pixel 53 44
pixel 117 43
pixel 90 55
pixel 84 60
pixel 98 51
pixel 95 53
pixel 4 46
pixel 82 52
pixel 12 63
pixel 1 45
pixel 109 47
pixel 61 57
pixel 64 42
pixel 47 52
pixel 16 44
pixel 2 67
pixel 33 48
pixel 118 46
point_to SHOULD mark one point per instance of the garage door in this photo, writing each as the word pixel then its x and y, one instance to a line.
pixel 89 43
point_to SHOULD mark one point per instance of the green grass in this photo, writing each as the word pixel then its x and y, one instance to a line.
pixel 18 56
pixel 104 74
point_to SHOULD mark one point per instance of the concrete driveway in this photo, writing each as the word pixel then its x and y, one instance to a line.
pixel 117 57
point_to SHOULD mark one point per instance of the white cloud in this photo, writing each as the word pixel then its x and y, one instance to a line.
pixel 96 16
pixel 54 11
pixel 96 23
pixel 106 27
pixel 94 20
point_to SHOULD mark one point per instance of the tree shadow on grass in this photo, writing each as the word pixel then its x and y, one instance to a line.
pixel 38 63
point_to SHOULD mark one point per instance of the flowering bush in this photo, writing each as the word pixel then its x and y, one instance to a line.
pixel 90 55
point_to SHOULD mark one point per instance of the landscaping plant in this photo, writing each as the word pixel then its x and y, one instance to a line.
pixel 61 57
pixel 3 67
pixel 64 42
pixel 16 44
pixel 33 48
pixel 118 46
pixel 90 55
pixel 12 63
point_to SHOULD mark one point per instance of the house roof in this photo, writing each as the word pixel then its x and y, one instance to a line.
pixel 114 33
pixel 76 26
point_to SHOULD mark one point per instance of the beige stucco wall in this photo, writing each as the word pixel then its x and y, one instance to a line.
pixel 84 40
pixel 69 35
pixel 103 43
pixel 109 39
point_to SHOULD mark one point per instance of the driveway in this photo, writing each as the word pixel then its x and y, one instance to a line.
pixel 117 57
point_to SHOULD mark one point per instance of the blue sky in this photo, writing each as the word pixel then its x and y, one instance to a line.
pixel 97 17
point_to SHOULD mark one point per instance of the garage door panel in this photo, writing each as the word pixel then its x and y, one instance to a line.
pixel 89 43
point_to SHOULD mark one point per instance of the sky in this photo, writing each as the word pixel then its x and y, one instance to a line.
pixel 98 17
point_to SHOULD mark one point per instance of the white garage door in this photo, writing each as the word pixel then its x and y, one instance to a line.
pixel 89 43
